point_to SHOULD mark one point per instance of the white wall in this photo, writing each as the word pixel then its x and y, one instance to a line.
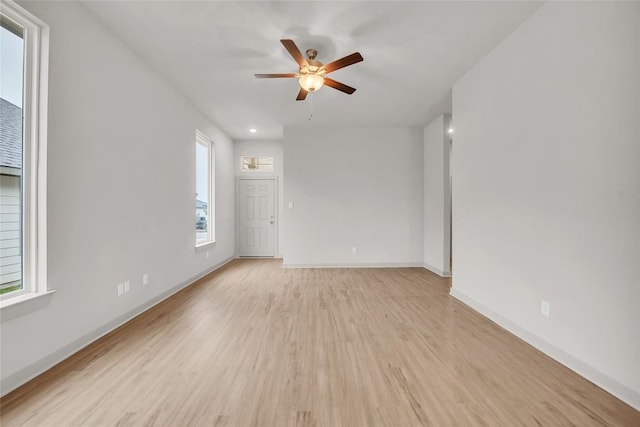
pixel 437 206
pixel 121 187
pixel 264 148
pixel 351 187
pixel 546 187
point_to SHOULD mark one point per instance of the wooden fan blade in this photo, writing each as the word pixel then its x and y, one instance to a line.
pixel 340 86
pixel 294 51
pixel 275 76
pixel 344 62
pixel 302 95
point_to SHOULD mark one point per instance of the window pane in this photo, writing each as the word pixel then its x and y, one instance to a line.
pixel 11 210
pixel 202 191
pixel 259 164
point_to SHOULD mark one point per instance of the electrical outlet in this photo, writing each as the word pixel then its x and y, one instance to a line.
pixel 145 279
pixel 354 250
pixel 127 287
pixel 544 308
pixel 120 289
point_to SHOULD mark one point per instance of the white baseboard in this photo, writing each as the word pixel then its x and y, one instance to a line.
pixel 600 379
pixel 356 265
pixel 258 257
pixel 28 373
pixel 439 272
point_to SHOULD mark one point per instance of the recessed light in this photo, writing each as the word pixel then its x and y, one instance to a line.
pixel 252 130
pixel 450 130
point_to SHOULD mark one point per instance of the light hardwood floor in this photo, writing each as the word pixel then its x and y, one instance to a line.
pixel 257 345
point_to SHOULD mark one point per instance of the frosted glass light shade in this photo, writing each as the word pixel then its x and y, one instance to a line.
pixel 311 82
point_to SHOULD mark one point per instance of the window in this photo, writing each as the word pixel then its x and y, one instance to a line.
pixel 257 164
pixel 205 199
pixel 23 99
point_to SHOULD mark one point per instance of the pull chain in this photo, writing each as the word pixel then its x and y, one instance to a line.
pixel 310 106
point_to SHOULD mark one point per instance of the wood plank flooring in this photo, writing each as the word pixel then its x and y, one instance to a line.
pixel 258 345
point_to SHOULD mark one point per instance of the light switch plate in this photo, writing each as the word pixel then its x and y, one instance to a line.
pixel 544 308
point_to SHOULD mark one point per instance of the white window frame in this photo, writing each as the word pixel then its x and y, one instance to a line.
pixel 34 163
pixel 202 139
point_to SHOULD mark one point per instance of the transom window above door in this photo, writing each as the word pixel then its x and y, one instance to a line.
pixel 257 164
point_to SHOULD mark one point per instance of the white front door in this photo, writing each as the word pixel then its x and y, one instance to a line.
pixel 256 217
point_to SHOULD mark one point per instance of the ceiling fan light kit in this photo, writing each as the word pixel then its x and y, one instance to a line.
pixel 311 82
pixel 311 73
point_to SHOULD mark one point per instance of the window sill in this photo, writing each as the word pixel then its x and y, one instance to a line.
pixel 205 245
pixel 17 306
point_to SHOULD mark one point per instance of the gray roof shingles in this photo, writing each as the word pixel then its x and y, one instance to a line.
pixel 10 135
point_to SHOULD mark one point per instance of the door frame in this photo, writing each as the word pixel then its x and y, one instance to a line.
pixel 276 213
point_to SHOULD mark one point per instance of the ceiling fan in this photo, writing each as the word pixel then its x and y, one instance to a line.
pixel 311 74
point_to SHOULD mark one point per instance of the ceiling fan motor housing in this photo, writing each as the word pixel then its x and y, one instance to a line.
pixel 312 66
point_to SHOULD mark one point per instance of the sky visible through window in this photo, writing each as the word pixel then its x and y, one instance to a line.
pixel 11 67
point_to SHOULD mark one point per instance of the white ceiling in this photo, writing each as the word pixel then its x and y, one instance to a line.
pixel 413 54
